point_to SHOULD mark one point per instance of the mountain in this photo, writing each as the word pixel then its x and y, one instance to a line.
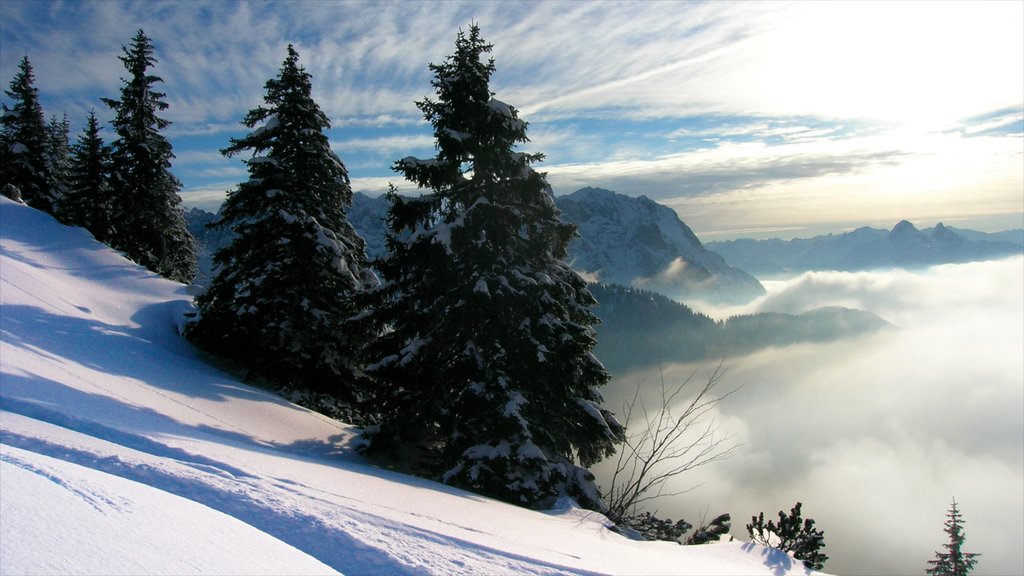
pixel 367 217
pixel 623 240
pixel 905 246
pixel 123 450
pixel 638 242
pixel 640 328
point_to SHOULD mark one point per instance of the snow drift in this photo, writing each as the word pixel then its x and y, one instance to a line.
pixel 123 450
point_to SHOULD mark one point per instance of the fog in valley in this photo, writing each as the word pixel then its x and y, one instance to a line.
pixel 876 435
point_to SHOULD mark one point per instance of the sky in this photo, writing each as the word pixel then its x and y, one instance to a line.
pixel 750 119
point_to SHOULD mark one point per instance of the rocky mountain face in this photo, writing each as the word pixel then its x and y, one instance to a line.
pixel 623 240
pixel 640 243
pixel 905 246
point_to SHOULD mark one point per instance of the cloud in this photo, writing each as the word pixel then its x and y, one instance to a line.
pixel 876 435
pixel 391 146
pixel 720 168
pixel 739 115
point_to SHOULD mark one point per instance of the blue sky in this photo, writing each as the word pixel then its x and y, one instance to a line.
pixel 750 119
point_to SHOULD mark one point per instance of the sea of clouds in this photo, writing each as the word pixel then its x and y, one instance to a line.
pixel 878 434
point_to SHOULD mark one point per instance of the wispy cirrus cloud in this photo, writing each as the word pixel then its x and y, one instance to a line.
pixel 641 97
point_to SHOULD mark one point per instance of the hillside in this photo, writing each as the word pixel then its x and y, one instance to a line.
pixel 124 451
pixel 642 328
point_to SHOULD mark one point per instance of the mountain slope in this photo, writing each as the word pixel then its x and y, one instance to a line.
pixel 638 242
pixel 113 430
pixel 905 246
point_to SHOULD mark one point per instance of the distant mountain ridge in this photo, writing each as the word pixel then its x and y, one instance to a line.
pixel 623 240
pixel 905 246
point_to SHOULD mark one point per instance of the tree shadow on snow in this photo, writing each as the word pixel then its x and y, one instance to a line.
pixel 778 561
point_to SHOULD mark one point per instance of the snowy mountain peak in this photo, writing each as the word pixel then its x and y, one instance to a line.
pixel 638 242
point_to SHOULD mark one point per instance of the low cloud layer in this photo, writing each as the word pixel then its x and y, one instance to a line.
pixel 876 436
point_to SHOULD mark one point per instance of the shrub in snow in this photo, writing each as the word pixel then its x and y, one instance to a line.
pixel 146 213
pixel 954 561
pixel 484 365
pixel 283 287
pixel 792 534
pixel 712 531
pixel 24 144
pixel 650 527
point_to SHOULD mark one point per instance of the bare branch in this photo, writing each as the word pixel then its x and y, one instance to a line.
pixel 666 445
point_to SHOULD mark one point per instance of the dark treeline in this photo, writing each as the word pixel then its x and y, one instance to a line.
pixel 124 192
pixel 640 328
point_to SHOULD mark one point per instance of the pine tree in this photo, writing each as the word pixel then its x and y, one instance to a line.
pixel 87 200
pixel 953 562
pixel 284 285
pixel 58 158
pixel 149 223
pixel 484 367
pixel 24 143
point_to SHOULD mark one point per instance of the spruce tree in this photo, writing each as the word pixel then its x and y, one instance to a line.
pixel 24 143
pixel 58 158
pixel 149 223
pixel 284 285
pixel 87 200
pixel 484 368
pixel 954 561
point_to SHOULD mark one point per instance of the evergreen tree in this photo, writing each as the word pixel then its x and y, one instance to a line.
pixel 954 561
pixel 24 143
pixel 484 368
pixel 58 157
pixel 87 200
pixel 284 285
pixel 149 223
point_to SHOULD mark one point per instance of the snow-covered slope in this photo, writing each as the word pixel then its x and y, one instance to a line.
pixel 638 242
pixel 122 450
pixel 905 246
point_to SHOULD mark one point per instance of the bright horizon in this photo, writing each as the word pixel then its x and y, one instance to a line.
pixel 750 119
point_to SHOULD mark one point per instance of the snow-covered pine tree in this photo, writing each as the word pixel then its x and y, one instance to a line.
pixel 149 223
pixel 283 287
pixel 484 367
pixel 24 142
pixel 86 201
pixel 58 157
pixel 954 561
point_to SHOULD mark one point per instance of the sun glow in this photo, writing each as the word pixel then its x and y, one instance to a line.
pixel 912 62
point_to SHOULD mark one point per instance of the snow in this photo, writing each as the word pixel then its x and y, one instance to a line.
pixel 124 451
